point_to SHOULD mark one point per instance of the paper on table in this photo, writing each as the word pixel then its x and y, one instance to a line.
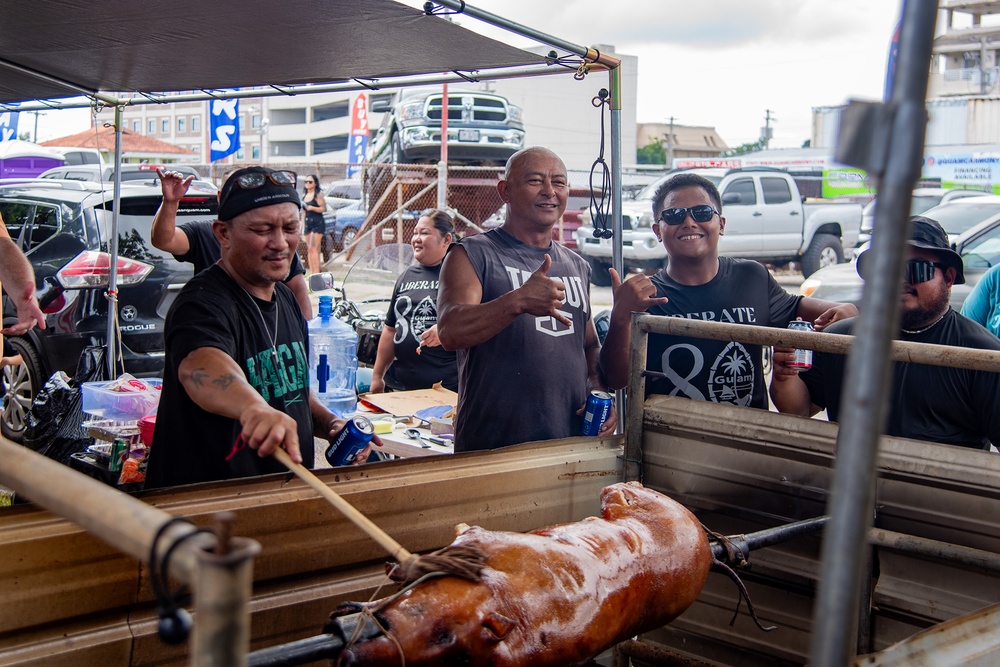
pixel 408 402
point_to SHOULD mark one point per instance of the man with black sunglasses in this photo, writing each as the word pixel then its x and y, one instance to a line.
pixel 935 403
pixel 699 284
pixel 195 242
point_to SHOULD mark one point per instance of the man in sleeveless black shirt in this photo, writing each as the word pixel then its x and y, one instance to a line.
pixel 195 241
pixel 935 403
pixel 516 307
pixel 699 284
pixel 236 385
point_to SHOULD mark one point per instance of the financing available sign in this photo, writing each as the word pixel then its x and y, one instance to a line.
pixel 978 168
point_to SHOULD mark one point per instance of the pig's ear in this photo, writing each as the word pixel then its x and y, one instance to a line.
pixel 497 626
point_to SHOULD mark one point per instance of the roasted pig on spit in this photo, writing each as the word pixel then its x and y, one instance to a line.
pixel 555 596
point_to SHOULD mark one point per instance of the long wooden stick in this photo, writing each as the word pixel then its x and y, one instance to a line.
pixel 394 548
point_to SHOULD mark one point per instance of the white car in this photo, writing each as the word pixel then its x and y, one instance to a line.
pixel 979 247
pixel 922 200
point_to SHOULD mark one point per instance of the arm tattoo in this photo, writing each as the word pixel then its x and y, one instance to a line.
pixel 198 377
pixel 223 381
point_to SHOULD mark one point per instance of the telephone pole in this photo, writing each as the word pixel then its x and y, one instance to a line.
pixel 765 132
pixel 670 144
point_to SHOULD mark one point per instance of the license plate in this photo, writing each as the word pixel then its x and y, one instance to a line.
pixel 468 135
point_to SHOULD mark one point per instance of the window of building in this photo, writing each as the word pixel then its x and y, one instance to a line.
pixel 152 126
pixel 243 121
pixel 255 152
pixel 181 125
pixel 196 123
pixel 744 188
pixel 165 126
pixel 241 154
pixel 776 190
pixel 330 144
pixel 255 121
pixel 328 111
pixel 137 126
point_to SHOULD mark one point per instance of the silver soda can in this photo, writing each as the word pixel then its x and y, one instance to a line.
pixel 596 413
pixel 803 358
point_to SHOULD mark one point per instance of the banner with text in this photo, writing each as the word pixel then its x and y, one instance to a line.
pixel 358 141
pixel 8 125
pixel 224 128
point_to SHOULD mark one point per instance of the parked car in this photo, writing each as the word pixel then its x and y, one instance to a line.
pixel 345 189
pixel 922 200
pixel 130 172
pixel 332 241
pixel 576 204
pixel 483 128
pixel 979 247
pixel 766 220
pixel 63 228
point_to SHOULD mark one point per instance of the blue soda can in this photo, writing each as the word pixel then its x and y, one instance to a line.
pixel 352 438
pixel 596 413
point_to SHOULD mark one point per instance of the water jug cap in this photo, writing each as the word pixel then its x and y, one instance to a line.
pixel 325 306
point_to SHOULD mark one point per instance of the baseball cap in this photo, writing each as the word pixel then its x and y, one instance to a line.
pixel 929 235
pixel 253 187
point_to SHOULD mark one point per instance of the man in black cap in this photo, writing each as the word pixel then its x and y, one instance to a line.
pixel 935 403
pixel 236 373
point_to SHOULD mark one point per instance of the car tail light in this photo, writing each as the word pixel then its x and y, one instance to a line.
pixel 90 269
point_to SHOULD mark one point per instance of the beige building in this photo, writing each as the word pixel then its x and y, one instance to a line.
pixel 682 141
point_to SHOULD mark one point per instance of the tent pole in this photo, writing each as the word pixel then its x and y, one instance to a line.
pixel 112 293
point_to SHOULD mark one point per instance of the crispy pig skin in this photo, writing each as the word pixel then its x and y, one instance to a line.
pixel 555 596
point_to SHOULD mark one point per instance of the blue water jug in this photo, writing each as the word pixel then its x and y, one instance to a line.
pixel 333 360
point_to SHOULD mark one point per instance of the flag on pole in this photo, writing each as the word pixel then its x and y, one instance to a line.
pixel 224 128
pixel 358 141
pixel 8 125
pixel 890 67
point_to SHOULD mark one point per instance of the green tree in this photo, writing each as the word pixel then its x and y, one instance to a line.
pixel 742 149
pixel 24 136
pixel 807 143
pixel 654 153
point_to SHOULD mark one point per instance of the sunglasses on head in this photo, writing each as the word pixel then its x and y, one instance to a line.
pixel 700 213
pixel 256 179
pixel 919 271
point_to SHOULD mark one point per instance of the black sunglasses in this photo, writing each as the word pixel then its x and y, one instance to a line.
pixel 257 179
pixel 700 213
pixel 921 270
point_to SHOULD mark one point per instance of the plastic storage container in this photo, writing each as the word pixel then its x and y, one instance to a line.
pixel 100 401
pixel 333 360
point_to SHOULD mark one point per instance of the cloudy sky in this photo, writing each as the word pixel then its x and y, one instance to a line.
pixel 726 62
pixel 710 62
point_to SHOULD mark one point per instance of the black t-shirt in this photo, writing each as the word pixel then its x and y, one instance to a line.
pixel 204 249
pixel 742 292
pixel 953 406
pixel 413 311
pixel 191 444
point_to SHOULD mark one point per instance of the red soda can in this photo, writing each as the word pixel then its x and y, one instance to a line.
pixel 596 413
pixel 803 358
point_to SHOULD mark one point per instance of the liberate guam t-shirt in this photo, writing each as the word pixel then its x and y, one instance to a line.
pixel 413 311
pixel 743 292
pixel 193 445
pixel 527 382
pixel 204 250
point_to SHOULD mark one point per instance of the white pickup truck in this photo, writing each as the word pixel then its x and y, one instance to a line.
pixel 766 220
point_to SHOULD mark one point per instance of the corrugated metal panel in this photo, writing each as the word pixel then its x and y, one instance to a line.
pixel 983 121
pixel 742 470
pixel 946 123
pixel 68 599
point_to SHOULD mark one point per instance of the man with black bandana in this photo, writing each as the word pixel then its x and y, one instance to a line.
pixel 946 405
pixel 236 384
